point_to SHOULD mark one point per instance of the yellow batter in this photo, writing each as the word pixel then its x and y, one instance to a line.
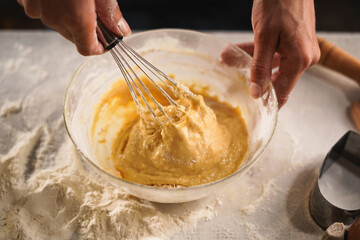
pixel 206 142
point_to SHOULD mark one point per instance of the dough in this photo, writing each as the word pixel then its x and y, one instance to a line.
pixel 207 141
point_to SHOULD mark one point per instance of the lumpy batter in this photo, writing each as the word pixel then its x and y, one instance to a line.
pixel 207 140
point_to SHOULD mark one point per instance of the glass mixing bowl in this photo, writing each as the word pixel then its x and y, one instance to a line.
pixel 191 56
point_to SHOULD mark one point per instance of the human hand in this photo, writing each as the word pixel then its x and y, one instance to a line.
pixel 76 20
pixel 284 37
pixel 354 231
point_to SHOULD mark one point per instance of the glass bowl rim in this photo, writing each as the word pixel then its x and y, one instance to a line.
pixel 157 188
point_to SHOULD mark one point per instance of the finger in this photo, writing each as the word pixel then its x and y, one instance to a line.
pixel 109 13
pixel 297 56
pixel 284 79
pixel 31 8
pixel 261 66
pixel 233 57
pixel 83 29
pixel 76 21
pixel 22 2
pixel 86 42
pixel 65 33
pixel 276 60
pixel 249 48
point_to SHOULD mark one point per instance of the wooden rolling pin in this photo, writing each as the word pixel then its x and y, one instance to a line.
pixel 337 59
pixel 355 113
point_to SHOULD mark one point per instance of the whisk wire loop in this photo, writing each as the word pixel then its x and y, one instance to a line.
pixel 127 71
pixel 127 60
pixel 151 68
pixel 126 78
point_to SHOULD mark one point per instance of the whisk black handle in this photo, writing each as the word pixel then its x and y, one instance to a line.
pixel 107 38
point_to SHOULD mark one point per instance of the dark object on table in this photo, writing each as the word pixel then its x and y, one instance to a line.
pixel 336 194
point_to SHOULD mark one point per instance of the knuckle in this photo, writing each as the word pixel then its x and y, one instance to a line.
pixel 317 55
pixel 263 33
pixel 309 57
pixel 72 22
pixel 260 67
pixel 303 59
pixel 307 60
pixel 80 23
pixel 74 19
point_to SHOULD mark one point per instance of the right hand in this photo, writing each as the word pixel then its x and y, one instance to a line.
pixel 76 20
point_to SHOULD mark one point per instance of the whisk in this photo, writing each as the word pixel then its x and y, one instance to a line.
pixel 129 61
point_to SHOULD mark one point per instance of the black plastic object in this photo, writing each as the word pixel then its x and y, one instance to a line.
pixel 107 38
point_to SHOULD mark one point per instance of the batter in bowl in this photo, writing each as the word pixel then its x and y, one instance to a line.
pixel 206 142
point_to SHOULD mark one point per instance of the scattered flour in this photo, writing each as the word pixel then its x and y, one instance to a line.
pixel 14 64
pixel 63 202
pixel 23 49
pixel 46 194
pixel 276 204
pixel 10 107
pixel 252 231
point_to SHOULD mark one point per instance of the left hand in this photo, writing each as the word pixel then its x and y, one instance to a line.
pixel 284 36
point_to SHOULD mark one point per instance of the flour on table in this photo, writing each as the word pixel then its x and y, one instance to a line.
pixel 10 107
pixel 14 64
pixel 61 201
pixel 44 191
pixel 23 49
pixel 270 201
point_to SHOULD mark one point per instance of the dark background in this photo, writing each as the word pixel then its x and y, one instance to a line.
pixel 331 15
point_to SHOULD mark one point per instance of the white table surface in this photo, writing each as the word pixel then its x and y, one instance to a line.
pixel 275 206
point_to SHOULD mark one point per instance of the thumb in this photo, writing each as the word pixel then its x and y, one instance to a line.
pixel 109 13
pixel 261 65
pixel 247 47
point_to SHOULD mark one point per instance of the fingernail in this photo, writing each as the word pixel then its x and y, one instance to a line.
pixel 255 90
pixel 124 27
